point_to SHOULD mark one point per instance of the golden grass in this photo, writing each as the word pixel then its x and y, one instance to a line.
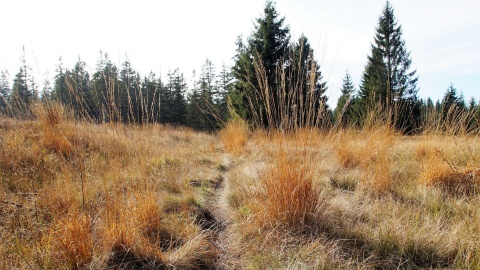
pixel 81 195
pixel 453 181
pixel 73 240
pixel 286 198
pixel 234 136
pixel 143 198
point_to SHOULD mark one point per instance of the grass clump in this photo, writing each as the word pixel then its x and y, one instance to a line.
pixel 234 136
pixel 70 241
pixel 452 181
pixel 286 197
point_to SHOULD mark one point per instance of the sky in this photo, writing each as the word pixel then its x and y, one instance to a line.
pixel 443 36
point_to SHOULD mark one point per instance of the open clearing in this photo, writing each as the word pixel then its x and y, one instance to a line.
pixel 103 196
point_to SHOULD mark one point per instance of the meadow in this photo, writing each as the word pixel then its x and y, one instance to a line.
pixel 79 195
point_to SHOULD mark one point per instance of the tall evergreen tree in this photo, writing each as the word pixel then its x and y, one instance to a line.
pixel 343 111
pixel 207 89
pixel 264 49
pixel 47 90
pixel 60 89
pixel 388 85
pixel 304 92
pixel 105 90
pixel 130 87
pixel 5 91
pixel 474 115
pixel 453 106
pixel 24 90
pixel 151 88
pixel 173 100
pixel 78 83
pixel 224 87
pixel 194 117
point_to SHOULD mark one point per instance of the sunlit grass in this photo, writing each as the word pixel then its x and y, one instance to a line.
pixel 94 196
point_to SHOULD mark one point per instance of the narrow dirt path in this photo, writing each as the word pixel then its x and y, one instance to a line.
pixel 220 225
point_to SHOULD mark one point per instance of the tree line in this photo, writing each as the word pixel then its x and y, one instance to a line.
pixel 121 94
pixel 274 83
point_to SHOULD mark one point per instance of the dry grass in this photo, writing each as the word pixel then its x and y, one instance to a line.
pixel 79 195
pixel 286 198
pixel 72 240
pixel 234 136
pixel 453 181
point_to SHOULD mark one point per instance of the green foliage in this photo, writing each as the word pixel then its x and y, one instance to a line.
pixel 343 113
pixel 105 92
pixel 304 82
pixel 201 110
pixel 173 104
pixel 5 91
pixel 130 87
pixel 278 84
pixel 452 104
pixel 265 48
pixel 388 85
pixel 24 91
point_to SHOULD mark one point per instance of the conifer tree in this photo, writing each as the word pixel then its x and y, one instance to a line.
pixel 129 86
pixel 47 90
pixel 208 90
pixel 24 90
pixel 151 88
pixel 388 85
pixel 60 90
pixel 265 47
pixel 173 99
pixel 452 106
pixel 5 91
pixel 474 115
pixel 80 92
pixel 224 88
pixel 194 117
pixel 305 89
pixel 105 90
pixel 343 111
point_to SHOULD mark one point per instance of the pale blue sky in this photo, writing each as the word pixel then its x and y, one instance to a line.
pixel 442 35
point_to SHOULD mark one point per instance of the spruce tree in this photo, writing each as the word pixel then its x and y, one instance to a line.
pixel 343 111
pixel 304 92
pixel 105 90
pixel 60 90
pixel 173 100
pixel 224 88
pixel 264 49
pixel 452 106
pixel 388 85
pixel 151 88
pixel 473 113
pixel 79 89
pixel 201 111
pixel 207 90
pixel 5 91
pixel 195 117
pixel 24 90
pixel 129 86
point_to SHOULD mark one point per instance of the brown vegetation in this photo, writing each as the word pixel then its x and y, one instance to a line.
pixel 93 196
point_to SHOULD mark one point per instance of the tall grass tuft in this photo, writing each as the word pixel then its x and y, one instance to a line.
pixel 51 116
pixel 286 198
pixel 234 136
pixel 376 163
pixel 450 179
pixel 72 241
pixel 295 101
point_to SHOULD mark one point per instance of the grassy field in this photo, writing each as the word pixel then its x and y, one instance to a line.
pixel 76 195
